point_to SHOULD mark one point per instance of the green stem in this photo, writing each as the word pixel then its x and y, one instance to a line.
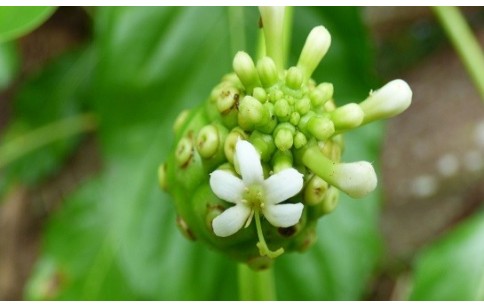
pixel 236 28
pixel 464 42
pixel 256 285
pixel 44 135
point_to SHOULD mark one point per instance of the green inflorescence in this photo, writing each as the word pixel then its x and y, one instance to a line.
pixel 293 122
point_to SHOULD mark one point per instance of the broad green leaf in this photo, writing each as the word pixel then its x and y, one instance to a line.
pixel 16 21
pixel 453 267
pixel 153 62
pixel 55 93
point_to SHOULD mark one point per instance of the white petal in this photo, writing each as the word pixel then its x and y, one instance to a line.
pixel 231 220
pixel 249 162
pixel 226 186
pixel 283 185
pixel 283 215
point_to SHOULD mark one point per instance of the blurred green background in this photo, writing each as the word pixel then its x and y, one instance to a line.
pixel 88 98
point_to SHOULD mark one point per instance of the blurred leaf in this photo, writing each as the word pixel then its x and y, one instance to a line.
pixel 55 93
pixel 453 268
pixel 153 63
pixel 8 64
pixel 16 21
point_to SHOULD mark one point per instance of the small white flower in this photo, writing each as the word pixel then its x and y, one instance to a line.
pixel 252 194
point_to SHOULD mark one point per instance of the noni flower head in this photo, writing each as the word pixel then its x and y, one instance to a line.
pixel 258 163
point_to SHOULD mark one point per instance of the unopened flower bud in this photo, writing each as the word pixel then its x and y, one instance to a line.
pixel 329 202
pixel 347 116
pixel 245 69
pixel 295 118
pixel 282 109
pixel 184 152
pixel 260 94
pixel 264 144
pixel 227 99
pixel 180 120
pixel 267 72
pixel 303 105
pixel 321 127
pixel 294 78
pixel 284 138
pixel 208 141
pixel 322 93
pixel 388 101
pixel 231 141
pixel 315 191
pixel 251 113
pixel 300 140
pixel 314 49
pixel 356 179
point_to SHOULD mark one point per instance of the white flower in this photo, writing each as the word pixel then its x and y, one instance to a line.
pixel 253 195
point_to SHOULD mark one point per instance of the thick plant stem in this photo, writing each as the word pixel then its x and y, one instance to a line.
pixel 256 285
pixel 464 42
pixel 44 135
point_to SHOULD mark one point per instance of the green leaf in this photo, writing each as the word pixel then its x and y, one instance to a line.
pixel 54 94
pixel 453 267
pixel 16 21
pixel 154 62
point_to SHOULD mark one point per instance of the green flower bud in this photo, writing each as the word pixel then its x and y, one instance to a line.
pixel 267 72
pixel 180 120
pixel 303 106
pixel 231 140
pixel 264 144
pixel 315 190
pixel 294 78
pixel 282 109
pixel 321 127
pixel 300 140
pixel 208 141
pixel 284 139
pixel 295 118
pixel 329 202
pixel 284 136
pixel 227 100
pixel 321 94
pixel 245 69
pixel 314 49
pixel 388 101
pixel 260 94
pixel 347 116
pixel 184 152
pixel 251 113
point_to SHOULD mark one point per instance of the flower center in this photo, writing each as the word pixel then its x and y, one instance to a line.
pixel 254 196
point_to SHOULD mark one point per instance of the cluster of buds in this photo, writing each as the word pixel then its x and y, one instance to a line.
pixel 266 136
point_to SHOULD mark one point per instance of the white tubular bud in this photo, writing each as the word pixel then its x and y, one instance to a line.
pixel 356 179
pixel 316 46
pixel 388 101
pixel 347 116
